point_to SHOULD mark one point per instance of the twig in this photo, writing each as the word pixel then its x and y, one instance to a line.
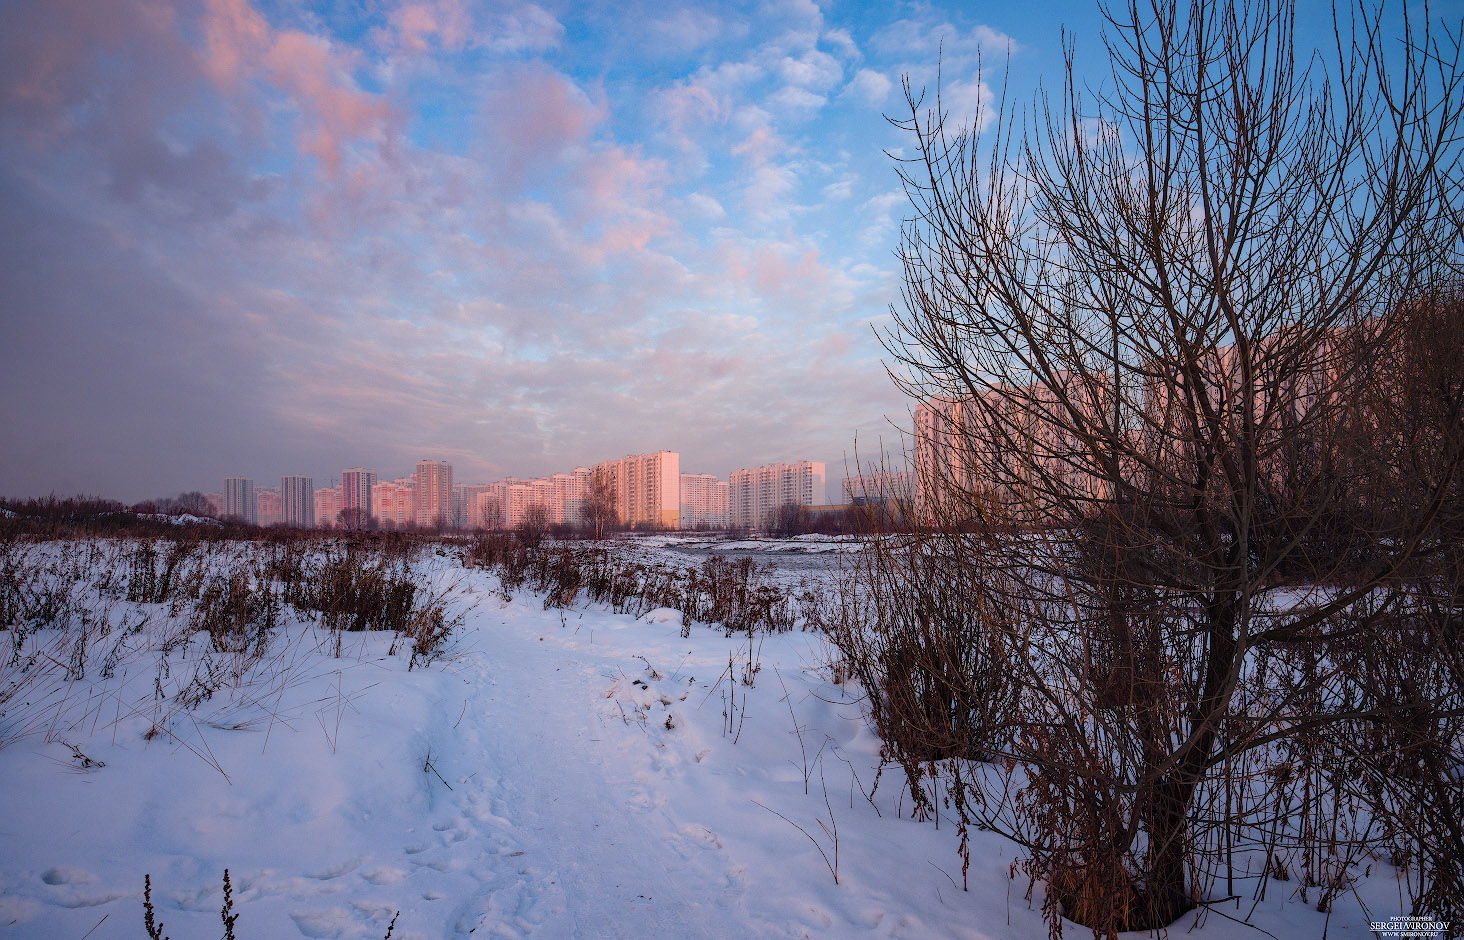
pixel 94 927
pixel 806 833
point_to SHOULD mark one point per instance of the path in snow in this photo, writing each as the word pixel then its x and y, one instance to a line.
pixel 562 832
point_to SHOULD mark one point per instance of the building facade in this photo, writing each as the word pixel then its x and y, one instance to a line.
pixel 703 501
pixel 239 500
pixel 755 496
pixel 644 489
pixel 356 502
pixel 433 485
pixel 269 509
pixel 394 503
pixel 297 501
pixel 327 507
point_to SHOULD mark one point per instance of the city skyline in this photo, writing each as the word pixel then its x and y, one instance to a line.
pixel 258 238
pixel 253 237
pixel 644 490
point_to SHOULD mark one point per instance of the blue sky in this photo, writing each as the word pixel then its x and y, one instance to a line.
pixel 257 238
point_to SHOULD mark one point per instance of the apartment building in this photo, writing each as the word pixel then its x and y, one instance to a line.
pixel 239 500
pixel 269 507
pixel 394 503
pixel 703 501
pixel 464 499
pixel 645 489
pixel 879 487
pixel 570 493
pixel 327 507
pixel 755 496
pixel 356 486
pixel 433 490
pixel 297 501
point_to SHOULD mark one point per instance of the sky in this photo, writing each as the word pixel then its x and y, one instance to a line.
pixel 256 238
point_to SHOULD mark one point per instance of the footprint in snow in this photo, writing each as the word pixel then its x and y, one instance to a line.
pixel 336 871
pixel 383 875
pixel 332 922
pixel 67 876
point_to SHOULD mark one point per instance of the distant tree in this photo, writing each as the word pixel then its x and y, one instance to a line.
pixel 355 519
pixel 191 501
pixel 788 520
pixel 491 515
pixel 599 508
pixel 535 525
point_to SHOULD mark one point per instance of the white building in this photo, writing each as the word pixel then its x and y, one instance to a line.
pixel 756 496
pixel 703 501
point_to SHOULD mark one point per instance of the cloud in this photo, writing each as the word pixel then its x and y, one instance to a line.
pixel 932 35
pixel 531 117
pixel 438 229
pixel 684 30
pixel 870 87
pixel 445 24
pixel 796 100
pixel 526 28
pixel 312 74
pixel 812 69
pixel 705 206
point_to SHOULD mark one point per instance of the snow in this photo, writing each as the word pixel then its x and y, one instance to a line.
pixel 558 774
pixel 186 518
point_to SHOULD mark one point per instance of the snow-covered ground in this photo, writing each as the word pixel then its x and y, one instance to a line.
pixel 573 774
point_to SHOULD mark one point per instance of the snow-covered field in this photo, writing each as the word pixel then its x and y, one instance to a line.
pixel 556 774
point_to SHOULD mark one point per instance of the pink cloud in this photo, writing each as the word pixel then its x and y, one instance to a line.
pixel 533 117
pixel 417 24
pixel 313 74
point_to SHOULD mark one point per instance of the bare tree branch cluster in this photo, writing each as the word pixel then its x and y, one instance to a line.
pixel 1180 603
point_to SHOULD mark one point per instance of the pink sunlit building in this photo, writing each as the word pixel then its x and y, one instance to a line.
pixel 327 507
pixel 433 492
pixel 356 486
pixel 645 489
pixel 394 503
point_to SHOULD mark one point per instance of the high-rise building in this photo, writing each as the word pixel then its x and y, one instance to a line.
pixel 327 507
pixel 394 503
pixel 756 496
pixel 464 502
pixel 571 490
pixel 269 508
pixel 297 502
pixel 645 489
pixel 703 501
pixel 434 493
pixel 239 500
pixel 879 487
pixel 356 484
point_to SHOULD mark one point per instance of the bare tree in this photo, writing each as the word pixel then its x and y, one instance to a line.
pixel 599 507
pixel 491 515
pixel 535 525
pixel 354 518
pixel 1136 332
